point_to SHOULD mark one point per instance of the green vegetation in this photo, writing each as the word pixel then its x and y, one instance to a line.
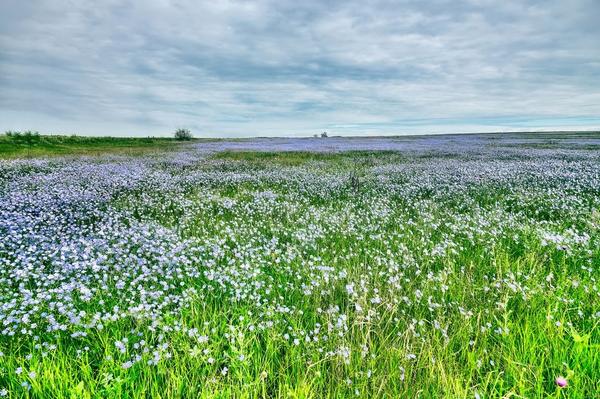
pixel 183 134
pixel 296 158
pixel 31 145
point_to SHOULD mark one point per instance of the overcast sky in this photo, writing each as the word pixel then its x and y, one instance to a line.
pixel 294 68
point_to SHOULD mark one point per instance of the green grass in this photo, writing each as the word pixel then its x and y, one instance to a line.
pixel 347 159
pixel 45 146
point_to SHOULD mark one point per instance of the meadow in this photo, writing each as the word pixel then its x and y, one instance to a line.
pixel 16 145
pixel 430 267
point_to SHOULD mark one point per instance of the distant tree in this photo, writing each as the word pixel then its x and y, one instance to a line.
pixel 324 135
pixel 183 134
pixel 13 135
pixel 28 137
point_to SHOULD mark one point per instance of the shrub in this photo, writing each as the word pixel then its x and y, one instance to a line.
pixel 183 134
pixel 28 137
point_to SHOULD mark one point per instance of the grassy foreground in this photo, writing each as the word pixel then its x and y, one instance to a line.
pixel 299 275
pixel 30 145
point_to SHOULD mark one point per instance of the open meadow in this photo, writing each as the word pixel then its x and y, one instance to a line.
pixel 408 267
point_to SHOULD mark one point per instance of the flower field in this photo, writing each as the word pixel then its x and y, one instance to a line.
pixel 448 267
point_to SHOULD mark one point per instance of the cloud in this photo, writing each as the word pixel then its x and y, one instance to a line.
pixel 289 68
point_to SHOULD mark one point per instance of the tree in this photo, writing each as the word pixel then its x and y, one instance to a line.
pixel 28 137
pixel 324 134
pixel 183 134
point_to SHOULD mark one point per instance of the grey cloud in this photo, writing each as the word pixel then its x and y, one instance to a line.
pixel 275 67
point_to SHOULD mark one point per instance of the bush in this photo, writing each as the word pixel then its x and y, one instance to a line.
pixel 183 134
pixel 28 137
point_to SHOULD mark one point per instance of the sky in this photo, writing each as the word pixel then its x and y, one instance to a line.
pixel 296 68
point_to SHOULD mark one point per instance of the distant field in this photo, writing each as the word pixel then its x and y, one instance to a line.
pixel 54 145
pixel 32 146
pixel 424 267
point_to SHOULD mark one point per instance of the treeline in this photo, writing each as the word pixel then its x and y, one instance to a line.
pixel 29 137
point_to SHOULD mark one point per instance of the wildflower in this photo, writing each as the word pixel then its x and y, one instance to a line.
pixel 561 381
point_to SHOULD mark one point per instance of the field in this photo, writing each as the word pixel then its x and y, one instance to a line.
pixel 431 267
pixel 32 145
